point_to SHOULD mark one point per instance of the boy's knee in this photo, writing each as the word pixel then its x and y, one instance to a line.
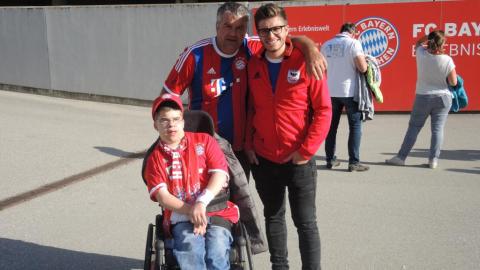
pixel 218 239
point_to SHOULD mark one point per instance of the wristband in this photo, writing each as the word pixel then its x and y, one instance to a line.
pixel 205 197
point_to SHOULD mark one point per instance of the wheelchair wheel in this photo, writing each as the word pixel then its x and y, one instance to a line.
pixel 241 255
pixel 147 264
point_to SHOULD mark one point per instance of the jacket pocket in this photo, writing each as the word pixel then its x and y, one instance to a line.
pixel 446 100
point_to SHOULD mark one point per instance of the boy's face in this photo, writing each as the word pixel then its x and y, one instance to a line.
pixel 169 124
pixel 273 33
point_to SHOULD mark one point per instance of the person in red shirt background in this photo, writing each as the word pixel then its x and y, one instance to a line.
pixel 184 172
pixel 288 118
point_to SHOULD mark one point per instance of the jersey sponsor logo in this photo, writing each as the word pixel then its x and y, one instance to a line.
pixel 211 71
pixel 293 75
pixel 199 149
pixel 240 63
pixel 217 86
pixel 379 38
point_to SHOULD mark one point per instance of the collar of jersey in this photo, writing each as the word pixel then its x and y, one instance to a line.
pixel 214 42
pixel 343 35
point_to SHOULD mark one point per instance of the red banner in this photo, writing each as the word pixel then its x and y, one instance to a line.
pixel 389 32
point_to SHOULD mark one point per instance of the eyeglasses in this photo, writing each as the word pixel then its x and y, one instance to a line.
pixel 263 32
pixel 165 122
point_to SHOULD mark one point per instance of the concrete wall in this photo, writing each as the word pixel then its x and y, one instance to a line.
pixel 119 51
pixel 123 51
pixel 23 47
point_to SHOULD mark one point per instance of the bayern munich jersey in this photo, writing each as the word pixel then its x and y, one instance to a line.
pixel 217 84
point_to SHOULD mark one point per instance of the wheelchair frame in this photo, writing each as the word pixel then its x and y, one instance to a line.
pixel 158 257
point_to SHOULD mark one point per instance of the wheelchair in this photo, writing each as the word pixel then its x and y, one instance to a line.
pixel 160 257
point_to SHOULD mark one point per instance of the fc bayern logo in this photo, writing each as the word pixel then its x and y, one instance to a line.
pixel 379 38
pixel 199 149
pixel 240 63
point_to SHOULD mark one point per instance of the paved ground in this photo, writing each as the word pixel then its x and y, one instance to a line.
pixel 396 218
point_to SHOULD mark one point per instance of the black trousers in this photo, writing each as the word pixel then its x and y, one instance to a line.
pixel 272 180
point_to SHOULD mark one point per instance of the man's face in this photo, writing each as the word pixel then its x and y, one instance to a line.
pixel 230 32
pixel 169 124
pixel 273 33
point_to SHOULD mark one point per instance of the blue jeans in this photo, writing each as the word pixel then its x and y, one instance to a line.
pixel 435 106
pixel 354 125
pixel 197 252
pixel 272 180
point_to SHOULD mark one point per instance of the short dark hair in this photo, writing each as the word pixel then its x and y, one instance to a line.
pixel 269 11
pixel 348 27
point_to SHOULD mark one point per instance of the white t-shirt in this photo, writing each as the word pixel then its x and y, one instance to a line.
pixel 340 52
pixel 432 72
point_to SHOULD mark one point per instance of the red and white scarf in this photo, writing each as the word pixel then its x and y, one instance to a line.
pixel 180 185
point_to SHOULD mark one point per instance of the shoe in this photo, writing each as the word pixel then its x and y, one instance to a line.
pixel 433 163
pixel 358 167
pixel 333 163
pixel 395 161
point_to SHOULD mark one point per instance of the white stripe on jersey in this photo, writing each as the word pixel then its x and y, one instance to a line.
pixel 252 37
pixel 157 187
pixel 187 52
pixel 170 91
pixel 220 170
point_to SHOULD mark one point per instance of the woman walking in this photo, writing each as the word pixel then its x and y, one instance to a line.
pixel 434 70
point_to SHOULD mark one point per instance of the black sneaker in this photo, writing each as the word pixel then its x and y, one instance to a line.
pixel 333 163
pixel 358 167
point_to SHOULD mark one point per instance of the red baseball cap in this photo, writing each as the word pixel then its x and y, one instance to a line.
pixel 165 97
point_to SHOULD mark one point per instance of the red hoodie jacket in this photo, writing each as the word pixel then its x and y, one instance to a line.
pixel 294 118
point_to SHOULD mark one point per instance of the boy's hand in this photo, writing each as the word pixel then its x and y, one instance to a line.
pixel 199 229
pixel 198 214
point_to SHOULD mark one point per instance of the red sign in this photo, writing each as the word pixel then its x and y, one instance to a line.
pixel 389 32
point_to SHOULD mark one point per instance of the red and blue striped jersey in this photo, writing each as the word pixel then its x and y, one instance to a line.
pixel 217 84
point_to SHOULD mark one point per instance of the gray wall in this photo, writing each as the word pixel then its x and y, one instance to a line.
pixel 23 47
pixel 119 51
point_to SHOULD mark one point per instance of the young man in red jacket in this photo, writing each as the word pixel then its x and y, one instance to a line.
pixel 288 118
pixel 184 172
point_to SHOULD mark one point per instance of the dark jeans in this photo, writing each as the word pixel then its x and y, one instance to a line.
pixel 355 128
pixel 271 181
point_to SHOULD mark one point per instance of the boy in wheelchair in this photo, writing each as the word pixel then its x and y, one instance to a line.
pixel 184 173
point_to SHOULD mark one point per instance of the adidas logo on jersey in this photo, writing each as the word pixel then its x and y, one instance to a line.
pixel 211 71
